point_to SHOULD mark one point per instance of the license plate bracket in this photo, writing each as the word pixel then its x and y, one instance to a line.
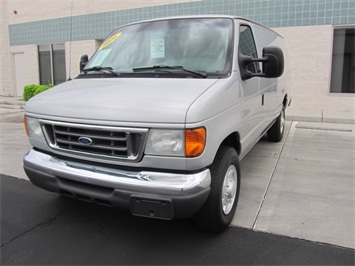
pixel 152 207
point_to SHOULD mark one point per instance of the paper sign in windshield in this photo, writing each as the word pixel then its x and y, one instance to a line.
pixel 110 40
pixel 157 46
pixel 100 57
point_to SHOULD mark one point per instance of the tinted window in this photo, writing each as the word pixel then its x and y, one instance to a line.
pixel 59 63
pixel 247 46
pixel 51 63
pixel 45 64
pixel 343 63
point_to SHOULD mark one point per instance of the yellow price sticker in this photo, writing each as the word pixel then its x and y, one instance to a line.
pixel 110 40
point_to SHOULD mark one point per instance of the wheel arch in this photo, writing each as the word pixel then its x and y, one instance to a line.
pixel 233 140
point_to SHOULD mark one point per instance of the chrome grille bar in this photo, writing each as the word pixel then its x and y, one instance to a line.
pixel 90 135
pixel 101 141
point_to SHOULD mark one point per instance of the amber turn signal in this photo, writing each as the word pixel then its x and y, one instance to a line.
pixel 25 124
pixel 195 140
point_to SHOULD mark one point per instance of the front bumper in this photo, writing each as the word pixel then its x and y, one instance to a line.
pixel 145 193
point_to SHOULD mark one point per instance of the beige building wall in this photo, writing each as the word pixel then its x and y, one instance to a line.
pixel 22 11
pixel 29 10
pixel 6 81
pixel 31 75
pixel 31 62
pixel 310 51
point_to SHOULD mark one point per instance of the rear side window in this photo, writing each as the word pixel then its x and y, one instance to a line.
pixel 247 46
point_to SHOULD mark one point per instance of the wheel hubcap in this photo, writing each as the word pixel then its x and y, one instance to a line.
pixel 282 122
pixel 229 189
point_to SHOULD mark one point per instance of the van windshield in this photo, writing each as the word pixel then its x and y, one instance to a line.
pixel 170 47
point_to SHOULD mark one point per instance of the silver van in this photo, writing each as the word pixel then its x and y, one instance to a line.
pixel 160 116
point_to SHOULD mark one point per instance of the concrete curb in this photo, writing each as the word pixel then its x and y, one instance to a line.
pixel 15 116
pixel 321 116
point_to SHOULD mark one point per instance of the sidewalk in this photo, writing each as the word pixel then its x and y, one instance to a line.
pixel 11 109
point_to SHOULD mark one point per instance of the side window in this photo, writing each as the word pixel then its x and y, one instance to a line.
pixel 247 47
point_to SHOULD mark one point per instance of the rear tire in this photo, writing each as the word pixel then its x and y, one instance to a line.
pixel 276 132
pixel 219 209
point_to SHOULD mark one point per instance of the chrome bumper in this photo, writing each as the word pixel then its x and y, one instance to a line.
pixel 144 181
pixel 73 178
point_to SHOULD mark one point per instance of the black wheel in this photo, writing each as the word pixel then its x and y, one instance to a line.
pixel 219 209
pixel 276 132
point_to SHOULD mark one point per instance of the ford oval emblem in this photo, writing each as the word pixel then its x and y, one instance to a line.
pixel 85 141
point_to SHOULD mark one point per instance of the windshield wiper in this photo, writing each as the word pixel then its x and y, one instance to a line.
pixel 164 67
pixel 101 69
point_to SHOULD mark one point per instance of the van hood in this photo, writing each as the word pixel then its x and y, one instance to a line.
pixel 152 100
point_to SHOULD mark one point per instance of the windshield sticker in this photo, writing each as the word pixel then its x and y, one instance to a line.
pixel 100 57
pixel 110 40
pixel 157 46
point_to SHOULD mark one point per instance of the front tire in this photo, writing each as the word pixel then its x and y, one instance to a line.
pixel 219 209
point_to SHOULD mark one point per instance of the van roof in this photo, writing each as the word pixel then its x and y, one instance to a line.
pixel 202 16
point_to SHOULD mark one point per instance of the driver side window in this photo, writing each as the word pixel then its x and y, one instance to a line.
pixel 247 47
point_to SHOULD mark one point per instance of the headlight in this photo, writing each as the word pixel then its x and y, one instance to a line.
pixel 189 142
pixel 33 128
pixel 166 142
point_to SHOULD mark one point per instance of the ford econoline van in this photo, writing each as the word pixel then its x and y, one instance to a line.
pixel 160 117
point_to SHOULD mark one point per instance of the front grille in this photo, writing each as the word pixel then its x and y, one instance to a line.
pixel 100 141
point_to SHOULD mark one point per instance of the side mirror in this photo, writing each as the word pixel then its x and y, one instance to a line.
pixel 83 60
pixel 272 60
pixel 273 66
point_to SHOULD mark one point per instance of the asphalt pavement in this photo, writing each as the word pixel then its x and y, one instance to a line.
pixel 296 207
pixel 41 228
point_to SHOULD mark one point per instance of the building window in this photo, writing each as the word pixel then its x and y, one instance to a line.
pixel 343 63
pixel 51 63
pixel 44 57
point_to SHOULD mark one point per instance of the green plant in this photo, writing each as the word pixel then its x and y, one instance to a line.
pixel 41 88
pixel 28 91
pixel 33 89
